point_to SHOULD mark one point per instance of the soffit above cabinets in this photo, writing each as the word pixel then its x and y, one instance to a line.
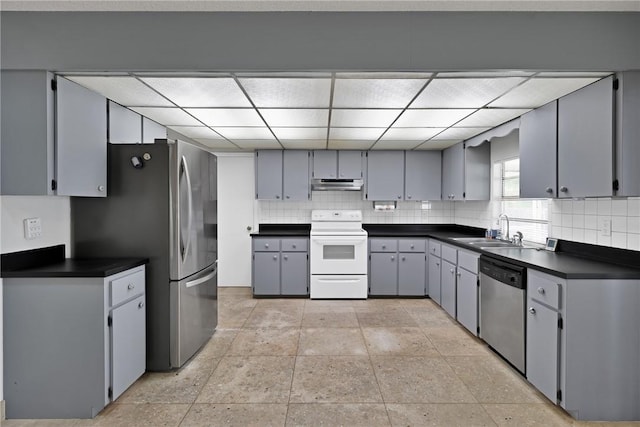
pixel 325 110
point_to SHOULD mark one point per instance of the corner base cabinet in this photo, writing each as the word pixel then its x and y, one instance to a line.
pixel 72 344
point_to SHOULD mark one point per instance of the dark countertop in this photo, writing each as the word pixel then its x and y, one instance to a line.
pixel 50 262
pixel 572 261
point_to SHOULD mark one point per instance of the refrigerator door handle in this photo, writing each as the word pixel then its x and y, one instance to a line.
pixel 185 169
pixel 202 279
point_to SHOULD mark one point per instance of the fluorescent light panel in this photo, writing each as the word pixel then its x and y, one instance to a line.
pixel 168 116
pixel 248 133
pixel 411 134
pixel 238 117
pixel 364 134
pixel 288 92
pixel 301 133
pixel 431 118
pixel 196 132
pixel 363 118
pixel 127 91
pixel 288 117
pixel 200 92
pixel 463 93
pixel 539 91
pixel 491 117
pixel 375 93
pixel 459 133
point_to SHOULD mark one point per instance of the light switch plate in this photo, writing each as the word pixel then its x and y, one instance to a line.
pixel 32 228
pixel 605 227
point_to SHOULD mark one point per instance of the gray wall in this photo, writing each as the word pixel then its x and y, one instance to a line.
pixel 320 40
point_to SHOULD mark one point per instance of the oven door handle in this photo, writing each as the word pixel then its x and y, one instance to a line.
pixel 338 241
pixel 340 280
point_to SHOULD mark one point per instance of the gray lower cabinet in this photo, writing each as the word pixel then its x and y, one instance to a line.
pixel 448 287
pixel 385 175
pixel 586 141
pixel 72 344
pixel 583 345
pixel 280 266
pixel 54 135
pixel 397 267
pixel 434 277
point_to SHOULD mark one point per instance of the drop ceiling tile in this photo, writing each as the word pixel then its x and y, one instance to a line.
pixel 288 92
pixel 218 144
pixel 288 117
pixel 395 145
pixel 598 74
pixel 463 93
pixel 368 134
pixel 485 74
pixel 349 145
pixel 375 93
pixel 304 145
pixel 384 75
pixel 247 133
pixel 300 133
pixel 239 117
pixel 438 144
pixel 257 144
pixel 459 134
pixel 200 91
pixel 168 116
pixel 491 117
pixel 196 132
pixel 286 74
pixel 127 91
pixel 363 118
pixel 431 118
pixel 410 134
pixel 539 91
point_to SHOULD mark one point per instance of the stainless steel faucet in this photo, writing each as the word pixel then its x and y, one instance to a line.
pixel 506 236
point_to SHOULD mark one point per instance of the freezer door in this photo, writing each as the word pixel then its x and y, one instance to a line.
pixel 194 313
pixel 193 208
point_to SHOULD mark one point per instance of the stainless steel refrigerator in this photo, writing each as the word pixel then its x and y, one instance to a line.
pixel 161 204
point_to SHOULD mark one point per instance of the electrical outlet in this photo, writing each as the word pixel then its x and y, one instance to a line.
pixel 32 228
pixel 605 227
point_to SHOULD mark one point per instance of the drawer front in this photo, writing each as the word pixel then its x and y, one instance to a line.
pixel 266 244
pixel 412 245
pixel 450 254
pixel 544 288
pixel 468 261
pixel 434 247
pixel 383 245
pixel 295 245
pixel 127 287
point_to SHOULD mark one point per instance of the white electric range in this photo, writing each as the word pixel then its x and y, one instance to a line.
pixel 338 255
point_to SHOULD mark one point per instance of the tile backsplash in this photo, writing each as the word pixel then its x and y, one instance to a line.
pixel 586 221
pixel 440 212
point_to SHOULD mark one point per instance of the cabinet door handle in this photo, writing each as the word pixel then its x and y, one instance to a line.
pixel 277 196
pixel 451 271
pixel 399 197
pixel 459 274
pixel 287 197
pixel 140 304
pixel 286 257
pixel 549 190
pixel 408 196
pixel 266 245
pixel 393 258
pixel 404 258
pixel 275 257
pixel 564 189
pixel 384 247
pixel 437 264
pixel 293 246
pixel 131 286
pixel 532 310
pixel 541 290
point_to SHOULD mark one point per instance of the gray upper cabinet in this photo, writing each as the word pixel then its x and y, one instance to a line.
pixel 453 172
pixel 350 164
pixel 332 164
pixel 585 141
pixel 296 175
pixel 152 131
pixel 269 174
pixel 81 141
pixel 325 164
pixel 53 141
pixel 125 126
pixel 628 133
pixel 538 145
pixel 423 175
pixel 385 175
pixel 477 172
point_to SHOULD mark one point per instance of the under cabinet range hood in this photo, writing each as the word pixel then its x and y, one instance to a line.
pixel 336 184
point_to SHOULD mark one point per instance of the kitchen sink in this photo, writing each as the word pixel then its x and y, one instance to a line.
pixel 484 243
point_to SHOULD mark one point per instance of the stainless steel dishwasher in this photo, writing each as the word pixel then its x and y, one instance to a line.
pixel 502 309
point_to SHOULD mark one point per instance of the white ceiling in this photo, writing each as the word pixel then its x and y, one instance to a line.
pixel 322 5
pixel 404 111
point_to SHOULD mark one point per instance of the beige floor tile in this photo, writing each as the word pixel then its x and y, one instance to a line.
pixel 284 303
pixel 331 414
pixel 181 386
pixel 416 303
pixel 145 414
pixel 236 291
pixel 241 415
pixel 376 304
pixel 332 342
pixel 454 341
pixel 265 342
pixel 334 379
pixel 419 379
pixel 398 341
pixel 527 415
pixel 391 318
pixel 492 381
pixel 233 318
pixel 327 319
pixel 328 305
pixel 430 316
pixel 275 317
pixel 439 415
pixel 48 423
pixel 218 344
pixel 252 379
